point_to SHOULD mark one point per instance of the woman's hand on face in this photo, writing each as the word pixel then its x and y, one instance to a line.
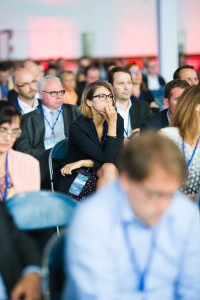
pixel 67 169
pixel 110 114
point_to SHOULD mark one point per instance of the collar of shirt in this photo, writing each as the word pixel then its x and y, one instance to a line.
pixel 126 117
pixel 26 108
pixel 168 117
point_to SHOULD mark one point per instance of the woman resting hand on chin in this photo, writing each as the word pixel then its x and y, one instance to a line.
pixel 95 140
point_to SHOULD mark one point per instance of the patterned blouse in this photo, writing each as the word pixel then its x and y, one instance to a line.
pixel 192 184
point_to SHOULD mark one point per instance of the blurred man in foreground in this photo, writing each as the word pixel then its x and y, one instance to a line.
pixel 138 238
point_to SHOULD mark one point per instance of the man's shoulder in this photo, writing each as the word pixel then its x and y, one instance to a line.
pixel 157 121
pixel 139 104
pixel 184 212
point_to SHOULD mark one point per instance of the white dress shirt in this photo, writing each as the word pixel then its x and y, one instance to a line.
pixel 26 108
pixel 126 116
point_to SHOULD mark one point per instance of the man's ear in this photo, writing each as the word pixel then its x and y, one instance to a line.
pixel 89 102
pixel 166 102
pixel 40 94
pixel 125 181
pixel 16 89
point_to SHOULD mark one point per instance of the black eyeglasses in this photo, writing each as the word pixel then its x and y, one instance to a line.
pixel 26 84
pixel 104 97
pixel 54 93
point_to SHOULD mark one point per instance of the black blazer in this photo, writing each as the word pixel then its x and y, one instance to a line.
pixel 17 250
pixel 31 140
pixel 139 112
pixel 83 145
pixel 156 122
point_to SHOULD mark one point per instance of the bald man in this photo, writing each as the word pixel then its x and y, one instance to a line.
pixel 25 84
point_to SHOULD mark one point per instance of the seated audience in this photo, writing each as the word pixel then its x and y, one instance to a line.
pixel 44 127
pixel 137 238
pixel 133 112
pixel 185 132
pixel 173 90
pixel 25 84
pixel 69 83
pixel 92 74
pixel 155 82
pixel 19 262
pixel 95 140
pixel 6 83
pixel 19 172
pixel 140 91
pixel 187 73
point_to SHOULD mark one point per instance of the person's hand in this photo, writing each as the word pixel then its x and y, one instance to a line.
pixel 110 114
pixel 28 287
pixel 67 169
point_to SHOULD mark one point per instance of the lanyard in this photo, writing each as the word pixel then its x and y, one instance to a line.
pixel 96 135
pixel 52 127
pixel 141 274
pixel 193 152
pixel 126 130
pixel 17 103
pixel 4 195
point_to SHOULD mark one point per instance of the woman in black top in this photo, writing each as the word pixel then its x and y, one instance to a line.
pixel 95 140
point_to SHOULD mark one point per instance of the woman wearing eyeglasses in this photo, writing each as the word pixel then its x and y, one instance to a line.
pixel 95 140
pixel 140 91
pixel 19 172
pixel 185 132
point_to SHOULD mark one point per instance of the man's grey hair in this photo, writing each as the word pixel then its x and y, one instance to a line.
pixel 42 82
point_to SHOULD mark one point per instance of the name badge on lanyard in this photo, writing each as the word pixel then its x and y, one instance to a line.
pixel 140 274
pixel 4 195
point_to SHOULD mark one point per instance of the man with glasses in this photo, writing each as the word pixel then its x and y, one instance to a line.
pixel 138 238
pixel 25 85
pixel 47 125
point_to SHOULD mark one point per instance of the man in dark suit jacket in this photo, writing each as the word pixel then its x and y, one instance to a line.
pixel 38 132
pixel 173 90
pixel 132 111
pixel 18 252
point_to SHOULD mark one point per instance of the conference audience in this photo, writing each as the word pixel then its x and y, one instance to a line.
pixel 173 91
pixel 95 140
pixel 47 125
pixel 185 132
pixel 133 112
pixel 25 84
pixel 140 91
pixel 187 73
pixel 69 84
pixel 19 172
pixel 137 238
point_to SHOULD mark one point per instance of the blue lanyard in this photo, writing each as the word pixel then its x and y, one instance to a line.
pixel 52 127
pixel 141 274
pixel 4 195
pixel 17 103
pixel 193 152
pixel 126 130
pixel 96 135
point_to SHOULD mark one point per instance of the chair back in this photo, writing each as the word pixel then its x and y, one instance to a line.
pixel 58 152
pixel 40 210
pixel 53 263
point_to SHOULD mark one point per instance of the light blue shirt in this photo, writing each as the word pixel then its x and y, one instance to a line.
pixel 98 261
